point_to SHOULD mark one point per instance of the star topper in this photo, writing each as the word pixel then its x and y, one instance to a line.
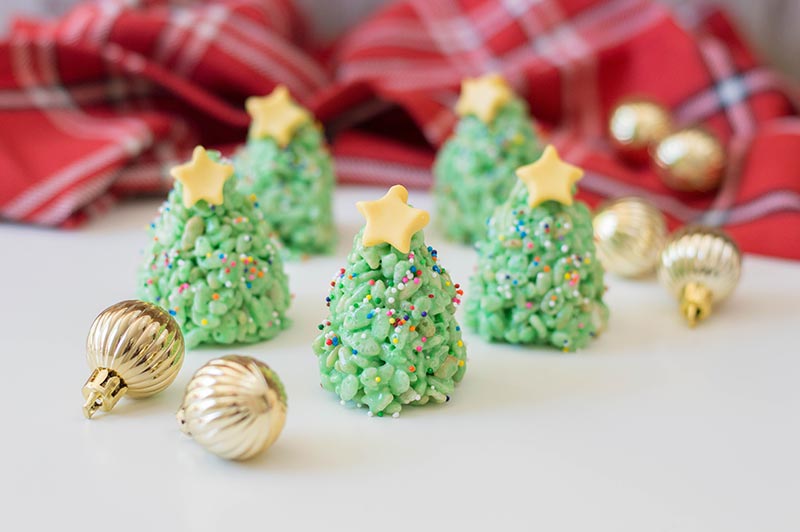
pixel 202 178
pixel 391 220
pixel 276 116
pixel 549 178
pixel 483 97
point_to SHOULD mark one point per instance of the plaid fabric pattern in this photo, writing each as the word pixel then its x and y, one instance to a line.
pixel 116 91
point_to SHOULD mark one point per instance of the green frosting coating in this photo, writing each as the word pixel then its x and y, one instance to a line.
pixel 538 280
pixel 293 188
pixel 216 269
pixel 474 170
pixel 391 338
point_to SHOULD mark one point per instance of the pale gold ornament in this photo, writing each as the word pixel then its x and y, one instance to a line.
pixel 134 348
pixel 636 125
pixel 690 160
pixel 701 267
pixel 629 234
pixel 234 406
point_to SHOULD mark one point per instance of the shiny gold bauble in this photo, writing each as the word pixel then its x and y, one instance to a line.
pixel 690 160
pixel 700 266
pixel 629 234
pixel 133 348
pixel 234 406
pixel 635 126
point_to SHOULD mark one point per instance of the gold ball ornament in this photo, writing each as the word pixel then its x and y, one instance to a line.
pixel 629 234
pixel 134 349
pixel 701 267
pixel 635 126
pixel 690 160
pixel 234 406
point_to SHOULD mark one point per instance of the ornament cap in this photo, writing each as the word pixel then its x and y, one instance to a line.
pixel 696 303
pixel 102 391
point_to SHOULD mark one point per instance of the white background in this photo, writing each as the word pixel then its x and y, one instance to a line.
pixel 654 427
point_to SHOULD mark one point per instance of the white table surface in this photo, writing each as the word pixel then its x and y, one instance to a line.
pixel 654 427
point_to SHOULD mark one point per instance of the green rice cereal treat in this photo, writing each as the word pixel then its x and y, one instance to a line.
pixel 286 171
pixel 391 338
pixel 474 170
pixel 211 261
pixel 537 280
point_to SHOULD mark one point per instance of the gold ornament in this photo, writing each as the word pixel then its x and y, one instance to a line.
pixel 483 97
pixel 234 406
pixel 276 116
pixel 392 220
pixel 690 160
pixel 637 125
pixel 700 266
pixel 629 234
pixel 202 178
pixel 549 178
pixel 133 348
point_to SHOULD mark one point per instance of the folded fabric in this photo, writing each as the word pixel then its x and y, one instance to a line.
pixel 96 104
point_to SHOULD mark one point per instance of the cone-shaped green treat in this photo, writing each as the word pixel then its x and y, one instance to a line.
pixel 391 338
pixel 474 170
pixel 538 280
pixel 211 262
pixel 287 170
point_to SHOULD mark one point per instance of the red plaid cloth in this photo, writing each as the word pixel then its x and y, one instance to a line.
pixel 97 104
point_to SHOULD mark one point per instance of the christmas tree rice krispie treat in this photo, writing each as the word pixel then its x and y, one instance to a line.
pixel 211 261
pixel 391 338
pixel 474 170
pixel 286 170
pixel 537 279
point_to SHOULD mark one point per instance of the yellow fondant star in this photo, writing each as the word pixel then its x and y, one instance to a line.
pixel 549 178
pixel 202 178
pixel 276 116
pixel 483 97
pixel 391 220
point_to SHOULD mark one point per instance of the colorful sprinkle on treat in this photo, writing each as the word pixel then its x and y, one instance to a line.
pixel 387 343
pixel 474 170
pixel 535 281
pixel 200 263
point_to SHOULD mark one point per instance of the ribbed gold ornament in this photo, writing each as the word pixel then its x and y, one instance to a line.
pixel 234 406
pixel 690 160
pixel 629 234
pixel 636 125
pixel 133 348
pixel 700 266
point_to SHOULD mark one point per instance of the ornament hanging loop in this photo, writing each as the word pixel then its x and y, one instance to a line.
pixel 102 391
pixel 696 303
